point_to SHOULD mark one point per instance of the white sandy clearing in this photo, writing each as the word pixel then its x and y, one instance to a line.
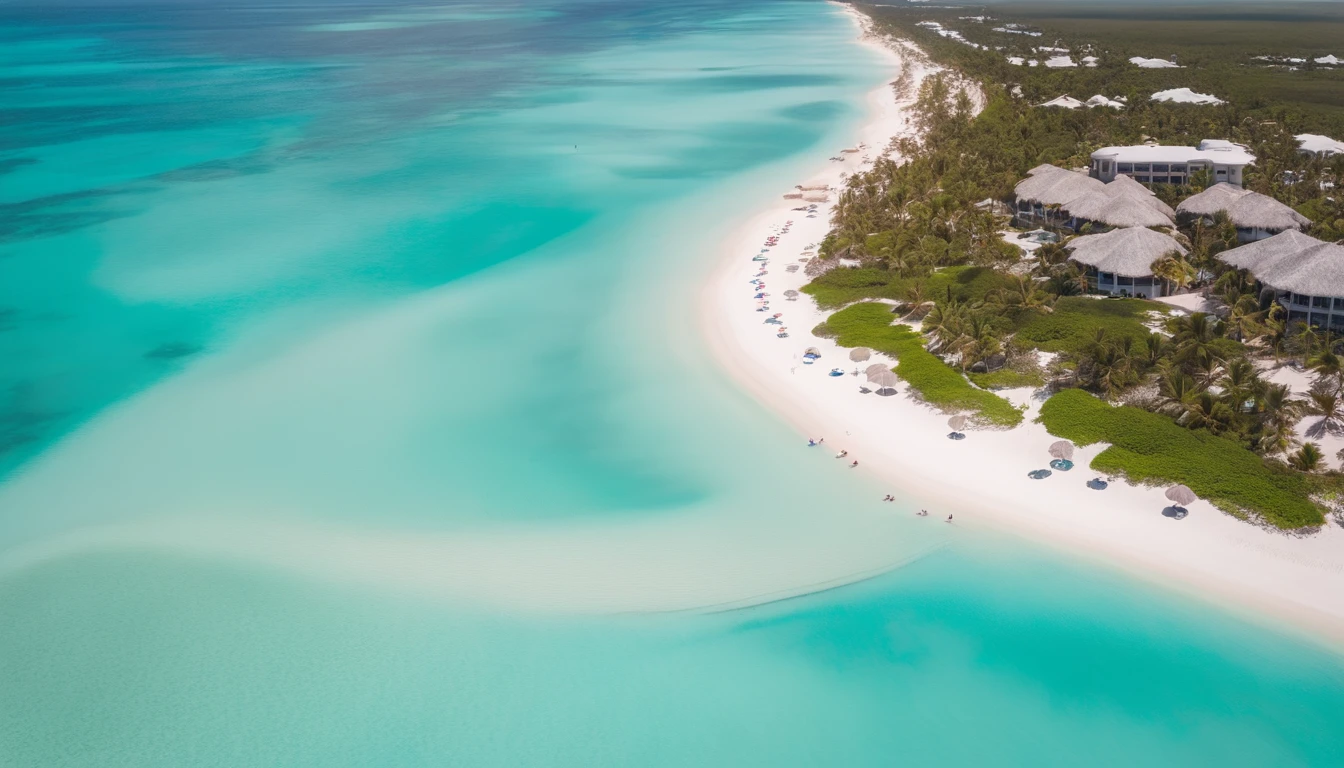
pixel 983 479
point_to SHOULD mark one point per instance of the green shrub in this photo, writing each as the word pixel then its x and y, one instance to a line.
pixel 1073 323
pixel 1149 448
pixel 869 325
pixel 1007 378
pixel 842 286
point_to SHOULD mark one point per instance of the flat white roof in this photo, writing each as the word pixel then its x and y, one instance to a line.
pixel 1210 150
pixel 1313 142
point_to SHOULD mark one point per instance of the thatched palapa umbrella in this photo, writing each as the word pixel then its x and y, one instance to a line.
pixel 859 354
pixel 1181 495
pixel 812 351
pixel 1062 450
pixel 884 383
pixel 876 369
pixel 957 423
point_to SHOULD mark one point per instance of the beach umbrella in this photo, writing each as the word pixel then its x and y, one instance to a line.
pixel 957 423
pixel 1062 450
pixel 812 351
pixel 859 354
pixel 883 381
pixel 875 369
pixel 791 293
pixel 1181 495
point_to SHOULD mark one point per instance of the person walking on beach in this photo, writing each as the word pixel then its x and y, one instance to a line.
pixel 949 519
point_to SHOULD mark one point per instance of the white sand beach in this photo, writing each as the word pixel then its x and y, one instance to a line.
pixel 982 480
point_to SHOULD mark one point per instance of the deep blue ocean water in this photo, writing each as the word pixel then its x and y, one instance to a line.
pixel 427 272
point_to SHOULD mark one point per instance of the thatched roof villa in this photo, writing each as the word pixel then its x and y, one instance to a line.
pixel 1121 261
pixel 1256 216
pixel 1071 199
pixel 1306 275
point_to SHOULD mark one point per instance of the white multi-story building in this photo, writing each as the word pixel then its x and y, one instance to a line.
pixel 1154 164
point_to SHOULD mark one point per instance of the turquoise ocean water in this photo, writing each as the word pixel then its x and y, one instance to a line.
pixel 426 275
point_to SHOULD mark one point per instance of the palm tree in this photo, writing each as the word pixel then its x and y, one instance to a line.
pixel 1328 405
pixel 1205 411
pixel 1111 369
pixel 1174 392
pixel 916 295
pixel 1328 367
pixel 1239 382
pixel 1174 269
pixel 1022 293
pixel 1308 458
pixel 1194 335
pixel 1243 317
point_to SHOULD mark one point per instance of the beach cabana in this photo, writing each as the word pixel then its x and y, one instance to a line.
pixel 1121 261
pixel 1306 275
pixel 1255 216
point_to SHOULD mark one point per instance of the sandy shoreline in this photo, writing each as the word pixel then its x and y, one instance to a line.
pixel 983 479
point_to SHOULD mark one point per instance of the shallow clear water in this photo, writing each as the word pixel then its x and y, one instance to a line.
pixel 427 275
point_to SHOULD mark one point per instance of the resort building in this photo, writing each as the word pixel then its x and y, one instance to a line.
pixel 1120 262
pixel 1255 216
pixel 1306 275
pixel 1072 200
pixel 1316 144
pixel 1153 164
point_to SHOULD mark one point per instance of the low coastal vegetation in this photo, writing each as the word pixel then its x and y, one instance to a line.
pixel 869 324
pixel 1148 448
pixel 1179 396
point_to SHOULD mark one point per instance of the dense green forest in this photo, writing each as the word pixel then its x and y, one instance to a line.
pixel 927 233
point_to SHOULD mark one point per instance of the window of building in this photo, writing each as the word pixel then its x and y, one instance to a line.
pixel 1124 167
pixel 1161 167
pixel 1301 301
pixel 1143 179
pixel 1161 179
pixel 1143 167
pixel 1320 302
pixel 1339 305
pixel 1221 172
pixel 1105 166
